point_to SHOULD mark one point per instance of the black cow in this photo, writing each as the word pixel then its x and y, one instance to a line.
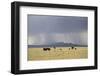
pixel 46 49
pixel 73 48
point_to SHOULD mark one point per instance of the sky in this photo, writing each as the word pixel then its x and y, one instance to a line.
pixel 46 29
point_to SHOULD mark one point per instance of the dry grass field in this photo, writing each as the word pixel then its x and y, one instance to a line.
pixel 58 53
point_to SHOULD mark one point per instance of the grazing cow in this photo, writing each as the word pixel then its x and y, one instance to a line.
pixel 46 49
pixel 73 48
pixel 49 49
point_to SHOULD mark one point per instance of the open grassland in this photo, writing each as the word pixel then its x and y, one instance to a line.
pixel 58 53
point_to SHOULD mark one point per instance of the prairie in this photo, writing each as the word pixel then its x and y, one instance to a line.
pixel 57 53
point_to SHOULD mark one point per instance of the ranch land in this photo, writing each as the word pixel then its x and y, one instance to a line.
pixel 57 53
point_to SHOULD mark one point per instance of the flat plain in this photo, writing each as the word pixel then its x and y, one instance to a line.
pixel 57 53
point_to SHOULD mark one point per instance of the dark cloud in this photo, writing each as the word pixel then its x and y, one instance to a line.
pixel 45 24
pixel 56 24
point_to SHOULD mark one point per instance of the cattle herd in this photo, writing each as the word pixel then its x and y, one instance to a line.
pixel 48 49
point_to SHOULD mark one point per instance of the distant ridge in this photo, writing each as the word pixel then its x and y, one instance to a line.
pixel 59 44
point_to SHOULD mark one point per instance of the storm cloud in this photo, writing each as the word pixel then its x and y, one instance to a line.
pixel 44 29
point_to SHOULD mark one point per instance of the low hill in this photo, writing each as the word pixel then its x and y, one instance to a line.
pixel 58 44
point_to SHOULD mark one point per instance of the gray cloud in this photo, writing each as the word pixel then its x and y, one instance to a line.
pixel 48 29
